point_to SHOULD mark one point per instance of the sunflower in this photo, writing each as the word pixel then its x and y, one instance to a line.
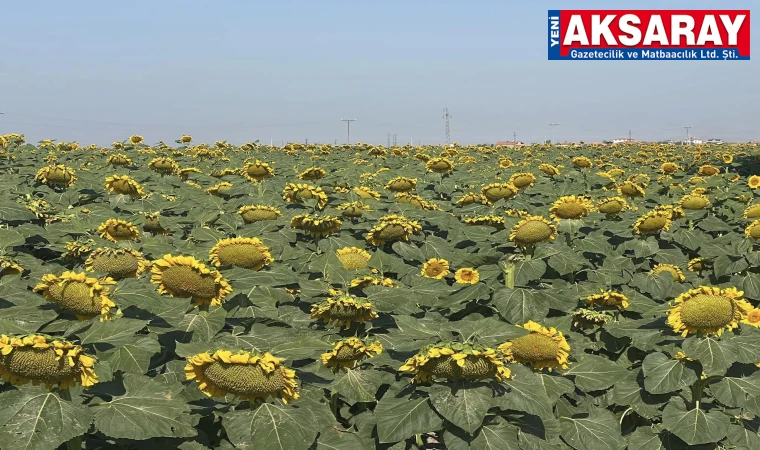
pixel 297 193
pixel 163 165
pixel 136 139
pixel 455 361
pixel 184 174
pixel 588 318
pixel 466 275
pixel 257 171
pixel 118 230
pixel 248 253
pixel 674 271
pixel 343 310
pixel 631 190
pixel 669 168
pixel 43 360
pixel 581 162
pixel 753 181
pixel 531 231
pixel 497 191
pixel 366 193
pixel 312 173
pixel 77 249
pixel 612 206
pixel 347 352
pixel 250 376
pixel 609 299
pixel 752 211
pixel 9 268
pixel 522 180
pixel 505 163
pixel 116 263
pixel 257 213
pixel 401 184
pixel 708 310
pixel 436 268
pixel 119 159
pixel 489 221
pixel 220 189
pixel 56 175
pixel 708 170
pixel 391 229
pixel 186 139
pixel 186 277
pixel 652 223
pixel 124 185
pixel 439 165
pixel 753 318
pixel 353 258
pixel 570 207
pixel 727 158
pixel 371 280
pixel 353 209
pixel 471 198
pixel 72 291
pixel 549 169
pixel 694 201
pixel 673 212
pixel 541 348
pixel 753 230
pixel 223 172
pixel 317 226
pixel 697 264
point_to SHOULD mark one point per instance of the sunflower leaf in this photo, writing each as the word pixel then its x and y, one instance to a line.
pixel 599 430
pixel 271 426
pixel 663 375
pixel 461 403
pixel 401 418
pixel 695 426
pixel 593 373
pixel 520 305
pixel 714 355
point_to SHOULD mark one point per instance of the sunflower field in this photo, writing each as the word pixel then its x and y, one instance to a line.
pixel 331 297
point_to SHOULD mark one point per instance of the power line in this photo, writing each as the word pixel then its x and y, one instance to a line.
pixel 446 116
pixel 688 138
pixel 553 125
pixel 348 129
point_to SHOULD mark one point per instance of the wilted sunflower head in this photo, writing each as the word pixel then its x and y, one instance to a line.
pixel 570 207
pixel 673 270
pixel 471 198
pixel 353 258
pixel 353 209
pixel 708 310
pixel 297 193
pixel 163 165
pixel 184 174
pixel 669 168
pixel 257 213
pixel 752 211
pixel 753 181
pixel 392 229
pixel 124 185
pixel 708 170
pixel 531 231
pixel 313 173
pixel 9 267
pixel 581 162
pixel 75 292
pixel 436 268
pixel 44 360
pixel 251 376
pixel 753 230
pixel 223 173
pixel 366 193
pixel 348 352
pixel 490 221
pixel 56 175
pixel 466 275
pixel 697 264
pixel 401 184
pixel 317 226
pixel 135 139
pixel 222 189
pixel 612 206
pixel 118 230
pixel 248 253
pixel 439 165
pixel 631 190
pixel 371 280
pixel 116 263
pixel 609 299
pixel 541 348
pixel 257 171
pixel 497 191
pixel 549 169
pixel 652 223
pixel 455 361
pixel 589 318
pixel 119 159
pixel 343 310
pixel 522 180
pixel 186 277
pixel 694 201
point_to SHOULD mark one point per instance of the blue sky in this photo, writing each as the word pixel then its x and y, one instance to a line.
pixel 290 70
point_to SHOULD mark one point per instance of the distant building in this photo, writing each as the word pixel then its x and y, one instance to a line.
pixel 509 143
pixel 624 141
pixel 714 141
pixel 692 141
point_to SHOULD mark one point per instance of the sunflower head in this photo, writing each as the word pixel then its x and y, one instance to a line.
pixel 317 226
pixel 439 165
pixel 506 163
pixel 490 221
pixel 753 318
pixel 257 171
pixel 251 376
pixel 343 310
pixel 652 223
pixel 313 173
pixel 436 268
pixel 542 348
pixel 258 213
pixel 164 165
pixel 353 209
pixel 136 139
pixel 581 162
pixel 366 193
pixel 471 198
pixel 118 230
pixel 124 185
pixel 753 181
pixel 184 174
pixel 570 207
pixel 186 277
pixel 669 168
pixel 392 229
pixel 186 139
pixel 522 180
pixel 631 190
pixel 248 253
pixel 497 191
pixel 297 193
pixel 609 299
pixel 348 352
pixel 353 258
pixel 753 230
pixel 752 211
pixel 531 231
pixel 9 267
pixel 589 318
pixel 43 360
pixel 116 263
pixel 673 270
pixel 708 170
pixel 697 264
pixel 612 206
pixel 455 361
pixel 694 201
pixel 75 292
pixel 466 275
pixel 119 160
pixel 56 175
pixel 708 310
pixel 402 184
pixel 222 189
pixel 549 169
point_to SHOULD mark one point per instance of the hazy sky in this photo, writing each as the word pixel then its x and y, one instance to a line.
pixel 95 71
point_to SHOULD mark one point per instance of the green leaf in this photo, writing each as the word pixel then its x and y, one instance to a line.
pixel 148 409
pixel 695 426
pixel 33 418
pixel 593 373
pixel 133 357
pixel 114 332
pixel 501 436
pixel 527 271
pixel 747 347
pixel 271 426
pixel 659 285
pixel 728 265
pixel 714 355
pixel 10 238
pixel 520 305
pixel 331 438
pixel 751 286
pixel 630 393
pixel 645 439
pixel 739 392
pixel 600 430
pixel 526 393
pixel 11 211
pixel 401 418
pixel 463 404
pixel 197 327
pixel 567 261
pixel 300 347
pixel 357 385
pixel 745 435
pixel 663 374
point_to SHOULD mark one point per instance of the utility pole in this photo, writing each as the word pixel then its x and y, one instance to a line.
pixel 335 142
pixel 688 138
pixel 629 136
pixel 307 141
pixel 394 139
pixel 553 125
pixel 447 116
pixel 348 129
pixel 514 138
pixel 389 140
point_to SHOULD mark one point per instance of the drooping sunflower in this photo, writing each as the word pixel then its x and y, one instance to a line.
pixel 186 139
pixel 466 275
pixel 317 226
pixel 708 170
pixel 753 230
pixel 490 221
pixel 184 174
pixel 9 267
pixel 118 230
pixel 753 181
pixel 348 352
pixel 589 318
pixel 522 180
pixel 652 223
pixel 56 175
pixel 752 211
pixel 353 258
pixel 471 198
pixel 257 213
pixel 549 169
pixel 343 310
pixel 541 348
pixel 77 249
pixel 531 231
pixel 439 165
pixel 220 189
pixel 136 139
pixel 519 213
pixel 366 193
pixel 392 229
pixel 674 212
pixel 609 299
pixel 223 173
pixel 257 171
pixel 353 209
pixel 669 168
pixel 119 159
pixel 697 264
pixel 163 165
pixel 186 277
pixel 497 191
pixel 674 271
pixel 631 190
pixel 371 280
pixel 75 292
pixel 694 201
pixel 581 162
pixel 313 173
pixel 402 184
pixel 436 268
pixel 116 263
pixel 612 206
pixel 248 253
pixel 38 359
pixel 455 361
pixel 570 207
pixel 708 310
pixel 297 193
pixel 124 185
pixel 251 376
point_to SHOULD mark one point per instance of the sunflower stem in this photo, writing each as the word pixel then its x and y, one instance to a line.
pixel 334 405
pixel 510 281
pixel 418 441
pixel 74 443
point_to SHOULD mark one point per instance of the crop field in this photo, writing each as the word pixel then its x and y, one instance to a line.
pixel 329 297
